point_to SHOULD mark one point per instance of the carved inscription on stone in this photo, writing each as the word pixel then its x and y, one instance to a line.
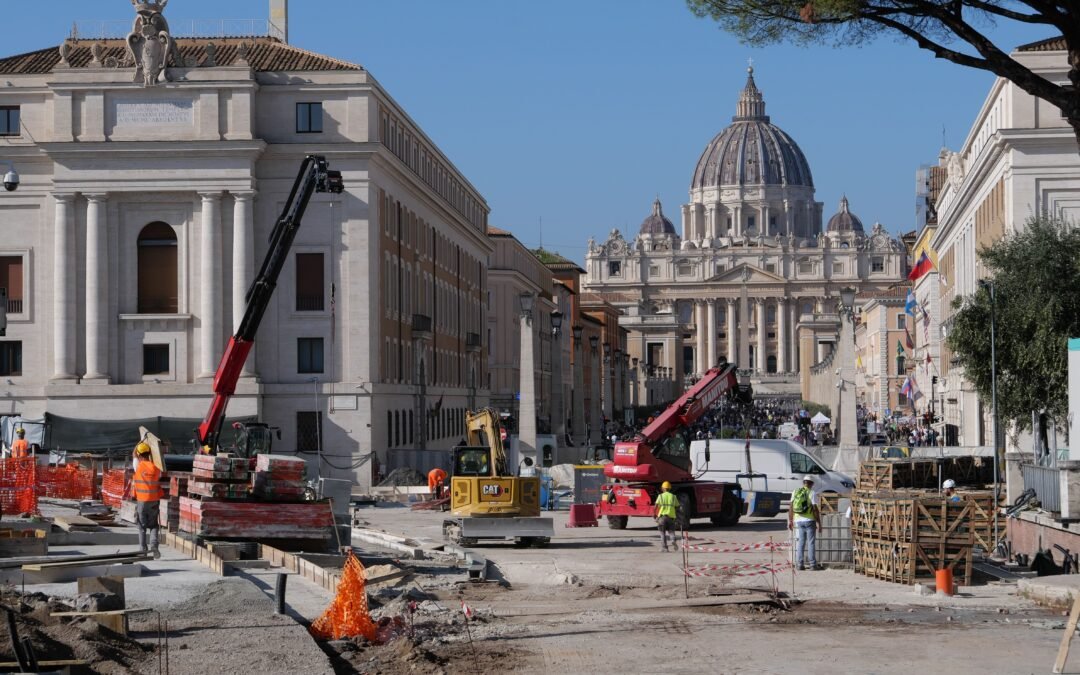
pixel 155 113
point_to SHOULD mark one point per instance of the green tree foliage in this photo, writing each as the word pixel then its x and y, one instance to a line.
pixel 954 30
pixel 1036 282
pixel 812 408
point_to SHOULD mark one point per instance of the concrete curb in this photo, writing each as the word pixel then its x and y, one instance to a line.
pixel 1056 591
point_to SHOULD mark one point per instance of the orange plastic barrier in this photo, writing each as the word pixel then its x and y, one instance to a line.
pixel 67 481
pixel 17 485
pixel 115 486
pixel 348 614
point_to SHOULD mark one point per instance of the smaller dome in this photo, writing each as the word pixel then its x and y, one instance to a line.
pixel 844 220
pixel 656 223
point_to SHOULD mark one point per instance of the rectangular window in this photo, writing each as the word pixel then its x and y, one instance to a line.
pixel 838 268
pixel 901 400
pixel 770 267
pixel 877 264
pixel 155 359
pixel 686 270
pixel 11 358
pixel 614 268
pixel 654 270
pixel 11 279
pixel 9 120
pixel 308 431
pixel 309 118
pixel 309 355
pixel 310 289
pixel 806 267
pixel 900 322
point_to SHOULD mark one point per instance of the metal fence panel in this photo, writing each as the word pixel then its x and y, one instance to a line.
pixel 1046 482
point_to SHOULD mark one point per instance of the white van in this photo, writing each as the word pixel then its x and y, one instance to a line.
pixel 787 431
pixel 784 464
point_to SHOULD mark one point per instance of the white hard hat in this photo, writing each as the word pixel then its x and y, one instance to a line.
pixel 808 479
pixel 950 483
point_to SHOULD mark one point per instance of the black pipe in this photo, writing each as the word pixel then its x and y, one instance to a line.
pixel 16 646
pixel 28 652
pixel 279 592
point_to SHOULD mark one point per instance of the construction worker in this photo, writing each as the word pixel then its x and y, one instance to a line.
pixel 20 448
pixel 667 507
pixel 148 499
pixel 435 479
pixel 805 519
pixel 949 487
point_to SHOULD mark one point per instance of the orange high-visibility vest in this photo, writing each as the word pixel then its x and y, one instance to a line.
pixel 20 448
pixel 147 487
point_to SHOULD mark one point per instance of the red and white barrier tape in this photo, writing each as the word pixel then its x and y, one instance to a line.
pixel 747 570
pixel 732 546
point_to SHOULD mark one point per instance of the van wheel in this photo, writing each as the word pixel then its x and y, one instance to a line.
pixel 729 514
pixel 617 522
pixel 682 518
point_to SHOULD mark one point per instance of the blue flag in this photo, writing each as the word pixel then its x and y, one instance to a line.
pixel 909 307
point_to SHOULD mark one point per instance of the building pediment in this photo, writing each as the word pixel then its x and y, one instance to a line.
pixel 748 274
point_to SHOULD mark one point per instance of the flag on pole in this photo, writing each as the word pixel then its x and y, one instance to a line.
pixel 899 348
pixel 921 267
pixel 906 389
pixel 915 393
pixel 858 361
pixel 910 305
pixel 907 336
pixel 466 610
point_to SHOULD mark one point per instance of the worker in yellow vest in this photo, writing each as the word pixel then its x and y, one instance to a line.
pixel 20 447
pixel 667 507
pixel 148 499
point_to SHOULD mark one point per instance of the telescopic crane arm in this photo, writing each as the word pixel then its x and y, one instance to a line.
pixel 314 176
pixel 693 404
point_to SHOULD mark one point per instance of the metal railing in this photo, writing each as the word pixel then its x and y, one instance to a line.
pixel 191 28
pixel 1046 482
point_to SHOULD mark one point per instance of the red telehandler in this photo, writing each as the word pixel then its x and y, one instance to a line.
pixel 661 452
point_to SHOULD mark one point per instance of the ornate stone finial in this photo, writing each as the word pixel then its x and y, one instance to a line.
pixel 211 55
pixel 242 52
pixel 96 50
pixel 65 52
pixel 150 44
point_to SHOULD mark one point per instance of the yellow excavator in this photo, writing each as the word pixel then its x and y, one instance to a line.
pixel 486 499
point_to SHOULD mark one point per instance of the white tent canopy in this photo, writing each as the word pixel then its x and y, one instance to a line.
pixel 819 419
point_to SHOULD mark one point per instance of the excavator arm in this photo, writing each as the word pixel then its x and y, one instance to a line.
pixel 314 176
pixel 484 427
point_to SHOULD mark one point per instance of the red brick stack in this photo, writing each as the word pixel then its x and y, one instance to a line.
pixel 223 476
pixel 169 516
pixel 279 478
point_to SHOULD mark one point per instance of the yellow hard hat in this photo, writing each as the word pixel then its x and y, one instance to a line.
pixel 20 430
pixel 665 485
pixel 142 449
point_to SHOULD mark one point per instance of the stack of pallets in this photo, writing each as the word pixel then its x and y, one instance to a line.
pixel 169 516
pixel 279 478
pixel 897 474
pixel 223 476
pixel 901 537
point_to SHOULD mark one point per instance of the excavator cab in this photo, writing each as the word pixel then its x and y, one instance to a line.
pixel 254 438
pixel 472 461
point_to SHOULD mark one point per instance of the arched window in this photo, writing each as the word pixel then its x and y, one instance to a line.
pixel 158 270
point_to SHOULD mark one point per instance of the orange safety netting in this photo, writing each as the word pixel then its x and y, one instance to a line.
pixel 17 480
pixel 114 486
pixel 348 614
pixel 67 481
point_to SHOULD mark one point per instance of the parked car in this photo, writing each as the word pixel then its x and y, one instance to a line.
pixel 783 463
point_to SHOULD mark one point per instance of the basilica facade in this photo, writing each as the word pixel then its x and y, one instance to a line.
pixel 753 277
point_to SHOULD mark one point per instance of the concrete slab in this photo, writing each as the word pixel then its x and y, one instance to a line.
pixel 1059 590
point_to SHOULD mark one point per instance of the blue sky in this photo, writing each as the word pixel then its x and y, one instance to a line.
pixel 577 113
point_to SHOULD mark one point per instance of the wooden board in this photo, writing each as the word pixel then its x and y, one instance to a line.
pixel 75 523
pixel 155 447
pixel 110 585
pixel 1070 629
pixel 118 560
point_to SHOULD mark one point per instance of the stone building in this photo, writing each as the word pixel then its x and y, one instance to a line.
pixel 753 277
pixel 151 181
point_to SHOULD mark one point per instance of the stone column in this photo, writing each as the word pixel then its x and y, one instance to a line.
pixel 558 413
pixel 210 300
pixel 608 408
pixel 243 263
pixel 788 217
pixel 712 227
pixel 732 330
pixel 781 335
pixel 702 330
pixel 63 306
pixel 527 387
pixel 97 288
pixel 795 367
pixel 711 346
pixel 762 350
pixel 736 224
pixel 765 220
pixel 687 223
pixel 578 411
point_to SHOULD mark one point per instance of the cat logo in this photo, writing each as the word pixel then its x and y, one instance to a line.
pixel 491 490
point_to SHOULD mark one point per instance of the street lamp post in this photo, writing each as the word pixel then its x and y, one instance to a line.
pixel 617 385
pixel 634 393
pixel 527 387
pixel 558 415
pixel 594 387
pixel 606 383
pixel 577 410
pixel 988 284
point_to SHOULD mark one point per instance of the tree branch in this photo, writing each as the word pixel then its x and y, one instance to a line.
pixel 1008 13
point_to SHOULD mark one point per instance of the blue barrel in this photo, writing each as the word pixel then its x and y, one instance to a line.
pixel 546 486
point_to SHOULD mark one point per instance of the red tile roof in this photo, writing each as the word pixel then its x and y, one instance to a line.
pixel 267 54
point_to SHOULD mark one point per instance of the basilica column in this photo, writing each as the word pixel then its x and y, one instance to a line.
pixel 761 333
pixel 736 225
pixel 788 217
pixel 712 225
pixel 97 288
pixel 711 347
pixel 781 335
pixel 732 329
pixel 210 284
pixel 795 334
pixel 699 321
pixel 243 263
pixel 687 233
pixel 765 227
pixel 63 304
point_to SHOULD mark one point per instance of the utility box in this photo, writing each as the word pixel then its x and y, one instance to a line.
pixel 587 483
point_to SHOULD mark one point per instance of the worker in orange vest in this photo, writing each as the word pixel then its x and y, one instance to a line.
pixel 148 499
pixel 435 479
pixel 20 448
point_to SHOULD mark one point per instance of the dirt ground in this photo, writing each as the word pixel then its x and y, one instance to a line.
pixel 601 600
